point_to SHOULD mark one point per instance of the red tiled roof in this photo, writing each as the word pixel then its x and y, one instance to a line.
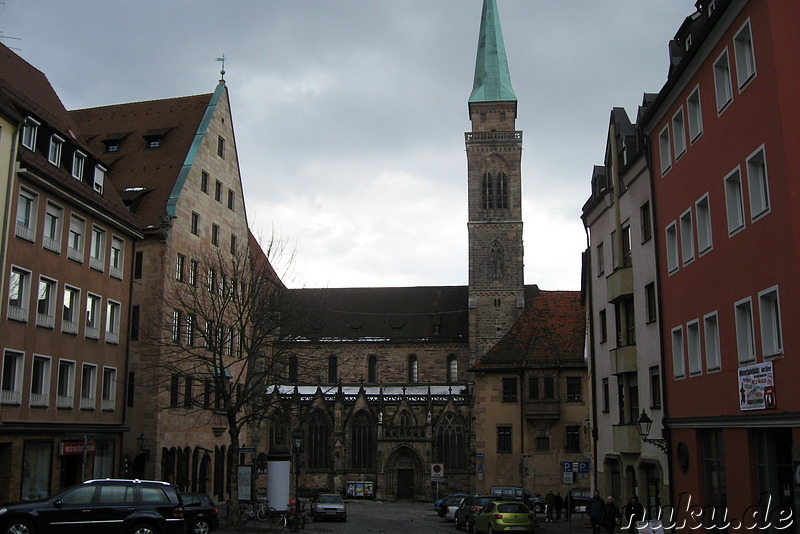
pixel 261 264
pixel 134 165
pixel 549 333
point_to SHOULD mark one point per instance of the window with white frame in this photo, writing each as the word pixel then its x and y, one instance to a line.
pixel 19 293
pixel 53 217
pixel 722 81
pixel 711 342
pixel 40 381
pixel 116 261
pixel 734 201
pixel 54 154
pixel 671 234
pixel 70 310
pixel 194 266
pixel 78 161
pixel 77 233
pixel 687 237
pixel 177 323
pixel 99 178
pixel 113 310
pixel 11 391
pixel 744 54
pixel 694 112
pixel 769 312
pixel 27 206
pixel 703 209
pixel 88 386
pixel 601 260
pixel 65 387
pixel 108 396
pixel 180 267
pixel 98 251
pixel 664 150
pixel 29 130
pixel 93 314
pixel 693 348
pixel 678 133
pixel 757 184
pixel 46 303
pixel 745 336
pixel 678 365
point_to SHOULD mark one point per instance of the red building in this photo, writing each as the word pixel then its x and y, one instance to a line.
pixel 724 134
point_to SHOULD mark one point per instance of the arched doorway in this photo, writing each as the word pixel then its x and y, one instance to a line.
pixel 404 473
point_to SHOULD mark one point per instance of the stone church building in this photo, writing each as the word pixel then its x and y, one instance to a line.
pixel 388 411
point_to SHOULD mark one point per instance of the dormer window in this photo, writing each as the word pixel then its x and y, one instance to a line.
pixel 99 178
pixel 112 145
pixel 29 129
pixel 688 42
pixel 154 141
pixel 54 156
pixel 78 159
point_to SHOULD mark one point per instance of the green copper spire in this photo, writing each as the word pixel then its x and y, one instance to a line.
pixel 492 79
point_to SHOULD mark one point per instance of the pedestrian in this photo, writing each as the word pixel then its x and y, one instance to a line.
pixel 611 515
pixel 558 502
pixel 595 511
pixel 567 508
pixel 633 511
pixel 549 502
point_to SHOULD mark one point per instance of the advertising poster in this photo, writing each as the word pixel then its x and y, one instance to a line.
pixel 756 387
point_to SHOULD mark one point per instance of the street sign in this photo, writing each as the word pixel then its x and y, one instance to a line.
pixel 437 472
pixel 479 455
pixel 567 477
pixel 247 449
pixel 574 467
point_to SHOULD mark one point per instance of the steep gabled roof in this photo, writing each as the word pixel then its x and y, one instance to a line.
pixel 147 177
pixel 492 81
pixel 261 264
pixel 549 333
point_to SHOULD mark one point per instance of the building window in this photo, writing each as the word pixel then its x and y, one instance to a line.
pixel 180 267
pixel 188 395
pixel 27 207
pixel 177 323
pixel 36 476
pixel 745 56
pixel 65 388
pixel 693 348
pixel 54 155
pixel 11 392
pixel 99 178
pixel 450 445
pixel 627 259
pixel 625 322
pixel 174 390
pixel 722 81
pixel 293 369
pixel 655 387
pixel 665 153
pixel 46 303
pixel 542 443
pixel 704 240
pixel 19 293
pixel 770 314
pixel 713 451
pixel 678 134
pixel 745 336
pixel 333 369
pixel 651 305
pixel 29 131
pixel 53 216
pixel 78 160
pixel 603 320
pixel 231 199
pixel 678 366
pixel 215 235
pixel 646 222
pixel 504 443
pixel 218 191
pixel 549 388
pixel 734 201
pixel 77 230
pixel 233 243
pixel 135 322
pixel 221 147
pixel 194 266
pixel 93 314
pixel 695 115
pixel 71 310
pixel 195 224
pixel 494 191
pixel 574 389
pixel 687 237
pixel 533 388
pixel 362 441
pixel 112 322
pixel 211 280
pixel 606 407
pixel 711 331
pixel 572 441
pixel 601 260
pixel 673 262
pixel 509 390
pixel 372 369
pixel 108 395
pixel 190 327
pixel 138 260
pixel 318 440
pixel 88 386
pixel 117 257
pixel 98 251
pixel 413 369
pixel 757 183
pixel 452 369
pixel 204 182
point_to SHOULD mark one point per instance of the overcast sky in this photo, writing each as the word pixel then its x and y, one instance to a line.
pixel 350 115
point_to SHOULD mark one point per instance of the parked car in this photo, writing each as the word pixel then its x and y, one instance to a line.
pixel 504 516
pixel 516 493
pixel 200 512
pixel 329 506
pixel 465 514
pixel 578 499
pixel 120 506
pixel 450 510
pixel 453 499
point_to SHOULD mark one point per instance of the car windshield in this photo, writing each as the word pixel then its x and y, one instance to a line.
pixel 512 508
pixel 329 499
pixel 482 501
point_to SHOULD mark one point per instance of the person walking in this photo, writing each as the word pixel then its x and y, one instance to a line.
pixel 611 516
pixel 549 502
pixel 595 511
pixel 633 512
pixel 558 502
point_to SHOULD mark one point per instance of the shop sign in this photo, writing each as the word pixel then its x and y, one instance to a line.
pixel 76 447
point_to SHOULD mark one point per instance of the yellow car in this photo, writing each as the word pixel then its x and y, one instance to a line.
pixel 504 516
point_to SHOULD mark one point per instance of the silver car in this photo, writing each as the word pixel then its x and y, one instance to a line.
pixel 329 506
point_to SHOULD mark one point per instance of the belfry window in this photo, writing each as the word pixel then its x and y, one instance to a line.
pixel 494 191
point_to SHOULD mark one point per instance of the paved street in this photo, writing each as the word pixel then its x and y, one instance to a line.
pixel 401 518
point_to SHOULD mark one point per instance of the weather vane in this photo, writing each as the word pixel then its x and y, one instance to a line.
pixel 222 71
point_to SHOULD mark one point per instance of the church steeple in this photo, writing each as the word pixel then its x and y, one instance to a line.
pixel 492 79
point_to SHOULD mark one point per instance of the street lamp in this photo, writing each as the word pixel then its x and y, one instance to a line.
pixel 297 443
pixel 141 441
pixel 644 423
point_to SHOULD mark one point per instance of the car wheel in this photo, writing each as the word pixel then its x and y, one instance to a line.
pixel 539 509
pixel 19 526
pixel 470 526
pixel 201 526
pixel 144 529
pixel 458 525
pixel 489 530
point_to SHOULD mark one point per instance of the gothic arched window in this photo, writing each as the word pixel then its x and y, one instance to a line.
pixel 450 444
pixel 487 192
pixel 318 442
pixel 333 372
pixel 413 368
pixel 362 441
pixel 372 369
pixel 452 369
pixel 405 418
pixel 494 191
pixel 293 369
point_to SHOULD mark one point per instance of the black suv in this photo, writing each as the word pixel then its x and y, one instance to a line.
pixel 108 506
pixel 200 512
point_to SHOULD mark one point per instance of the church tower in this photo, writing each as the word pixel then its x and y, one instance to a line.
pixel 494 155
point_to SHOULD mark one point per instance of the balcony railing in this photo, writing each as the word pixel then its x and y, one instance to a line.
pixel 87 403
pixel 116 272
pixel 75 254
pixel 10 397
pixel 69 327
pixel 24 231
pixel 51 244
pixel 18 313
pixel 96 264
pixel 45 320
pixel 64 401
pixel 40 399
